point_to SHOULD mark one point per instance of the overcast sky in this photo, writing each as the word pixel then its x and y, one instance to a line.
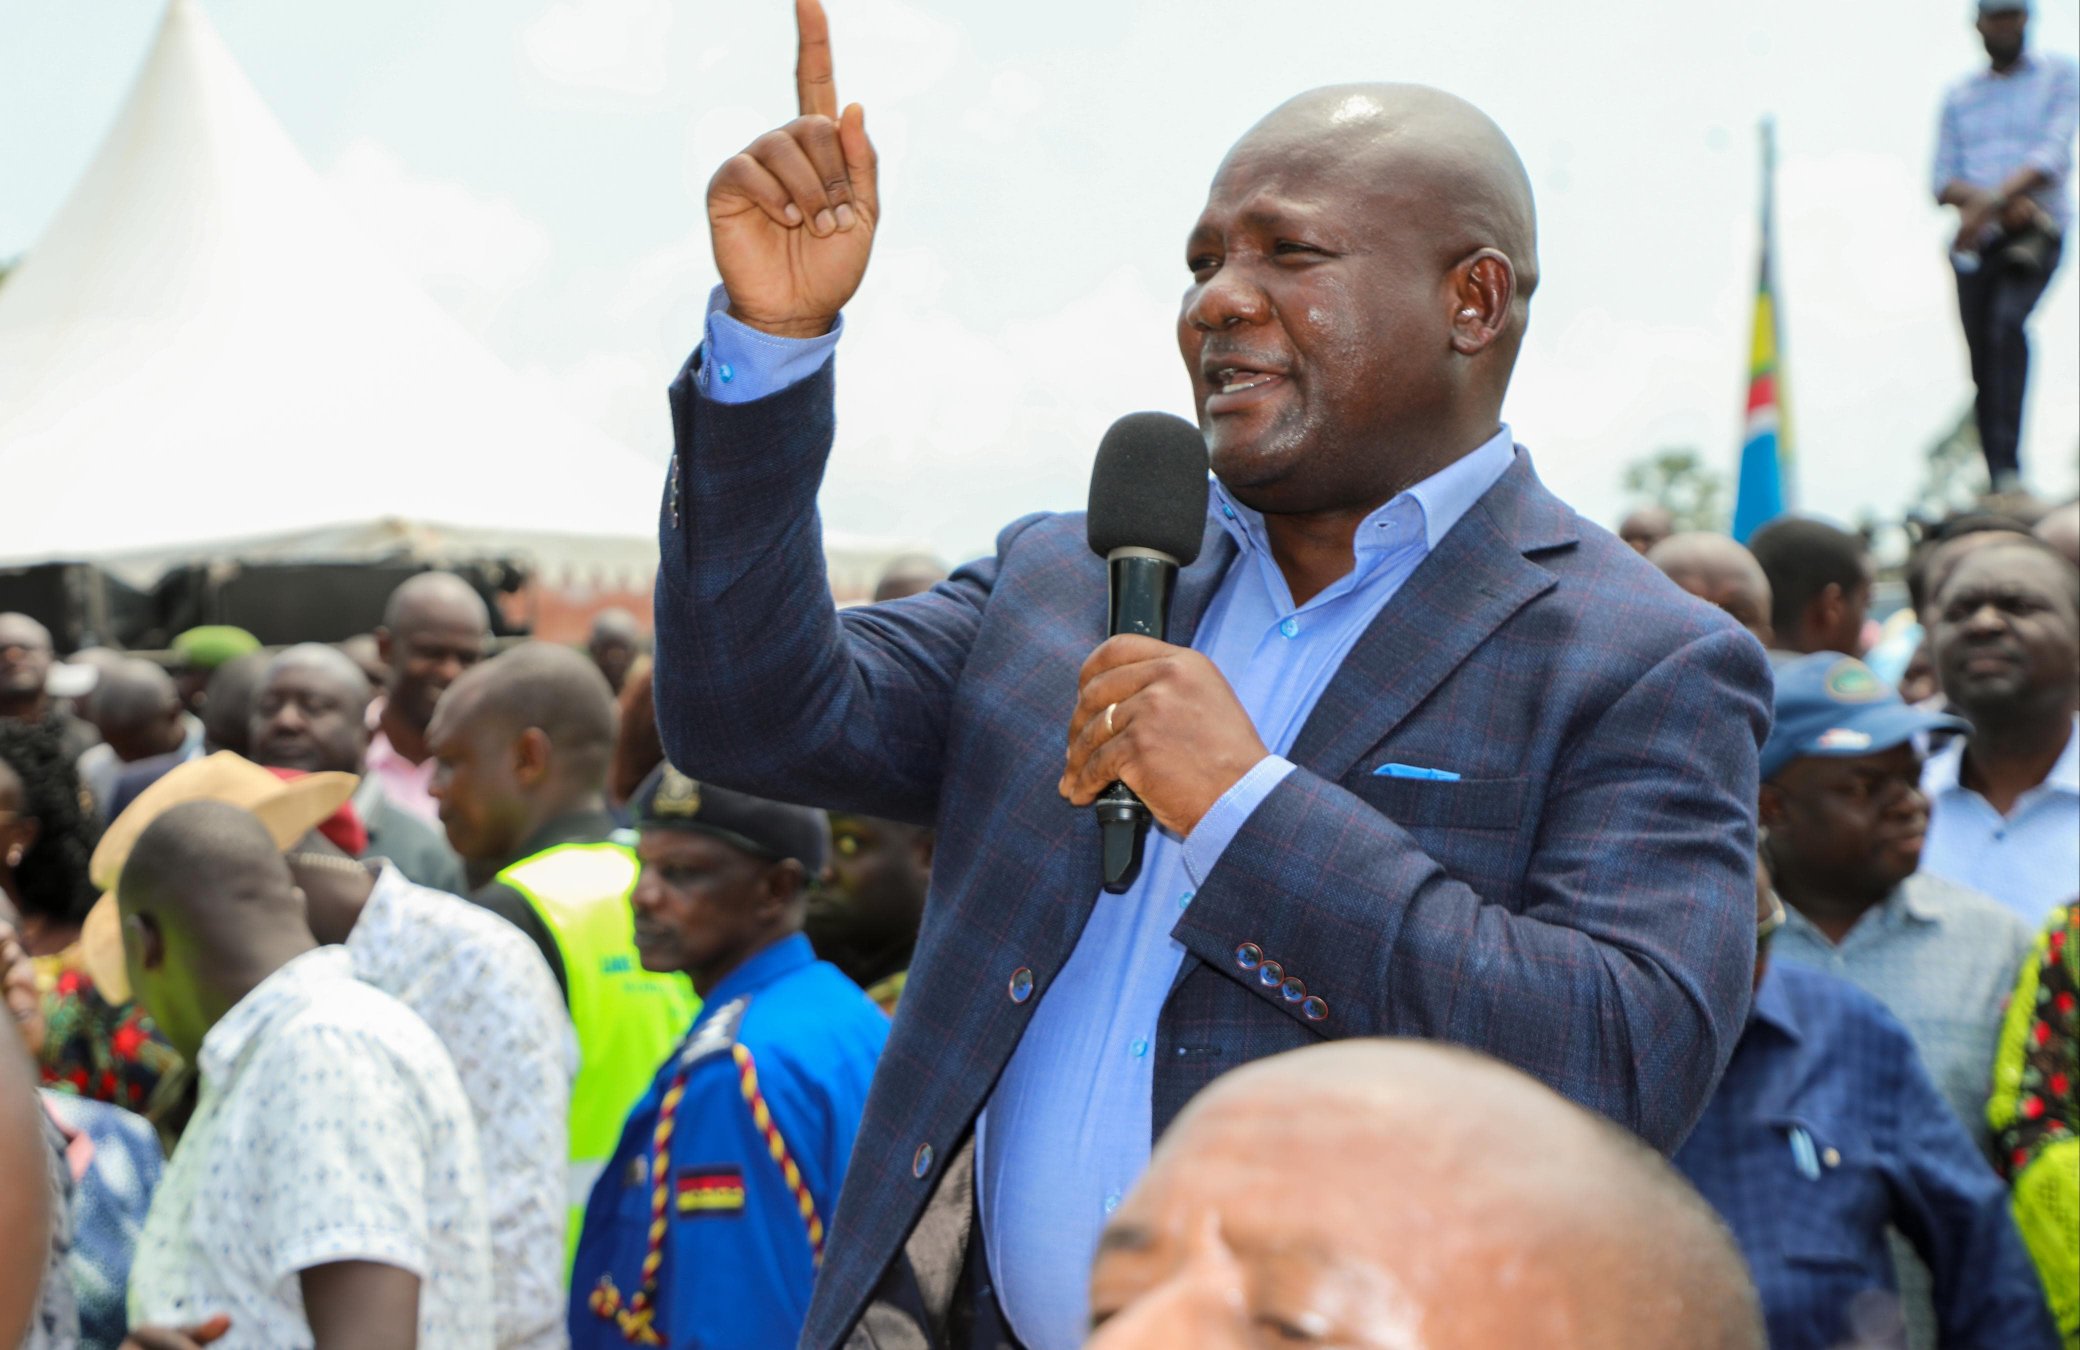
pixel 539 166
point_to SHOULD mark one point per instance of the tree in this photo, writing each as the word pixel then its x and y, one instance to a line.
pixel 1681 483
pixel 1955 475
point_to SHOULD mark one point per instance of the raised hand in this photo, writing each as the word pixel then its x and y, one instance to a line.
pixel 792 216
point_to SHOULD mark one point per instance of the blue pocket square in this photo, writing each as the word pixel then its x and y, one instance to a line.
pixel 1415 771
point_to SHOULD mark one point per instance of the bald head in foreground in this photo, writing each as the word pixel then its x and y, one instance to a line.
pixel 1319 1196
pixel 1719 572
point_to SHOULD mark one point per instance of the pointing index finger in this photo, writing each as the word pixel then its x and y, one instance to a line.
pixel 815 87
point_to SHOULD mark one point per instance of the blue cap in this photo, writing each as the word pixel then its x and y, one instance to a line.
pixel 1834 705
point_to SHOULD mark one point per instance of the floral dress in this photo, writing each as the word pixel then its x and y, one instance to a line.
pixel 2035 1112
pixel 108 1054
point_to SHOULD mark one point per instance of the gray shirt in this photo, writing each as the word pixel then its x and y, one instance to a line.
pixel 1942 959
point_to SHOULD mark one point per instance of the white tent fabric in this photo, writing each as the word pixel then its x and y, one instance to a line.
pixel 202 357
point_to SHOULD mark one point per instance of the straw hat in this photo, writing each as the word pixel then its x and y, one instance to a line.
pixel 289 809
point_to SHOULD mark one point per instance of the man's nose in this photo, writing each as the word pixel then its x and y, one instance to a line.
pixel 1227 299
pixel 1986 620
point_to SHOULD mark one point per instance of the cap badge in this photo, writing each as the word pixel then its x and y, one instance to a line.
pixel 1843 738
pixel 1851 681
pixel 677 795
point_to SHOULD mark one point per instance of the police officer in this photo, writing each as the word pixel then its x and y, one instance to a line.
pixel 707 1226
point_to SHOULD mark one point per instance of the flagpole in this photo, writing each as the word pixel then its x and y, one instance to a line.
pixel 1764 489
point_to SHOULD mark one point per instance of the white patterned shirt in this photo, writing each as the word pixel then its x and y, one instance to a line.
pixel 2029 859
pixel 486 992
pixel 330 1127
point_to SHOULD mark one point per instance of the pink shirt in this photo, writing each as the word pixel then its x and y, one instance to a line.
pixel 408 785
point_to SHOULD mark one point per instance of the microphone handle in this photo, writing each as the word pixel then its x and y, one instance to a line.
pixel 1139 586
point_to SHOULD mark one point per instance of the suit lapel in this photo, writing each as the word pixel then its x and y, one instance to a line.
pixel 1467 588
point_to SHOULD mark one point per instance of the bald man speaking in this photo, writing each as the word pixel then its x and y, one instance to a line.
pixel 1428 754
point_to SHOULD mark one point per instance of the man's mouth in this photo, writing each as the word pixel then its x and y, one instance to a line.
pixel 1232 388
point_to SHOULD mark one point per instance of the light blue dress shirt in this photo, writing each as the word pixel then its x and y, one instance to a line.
pixel 1995 123
pixel 1067 1131
pixel 2029 859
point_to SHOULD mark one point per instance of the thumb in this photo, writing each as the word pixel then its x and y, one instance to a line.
pixel 204 1332
pixel 861 163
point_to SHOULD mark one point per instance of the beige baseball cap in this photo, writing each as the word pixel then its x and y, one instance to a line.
pixel 289 808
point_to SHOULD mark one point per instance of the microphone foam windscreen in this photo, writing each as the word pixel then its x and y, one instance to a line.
pixel 1148 487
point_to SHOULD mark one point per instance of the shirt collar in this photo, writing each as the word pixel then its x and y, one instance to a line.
pixel 575 827
pixel 1772 1008
pixel 764 967
pixel 2065 774
pixel 266 1004
pixel 1428 510
pixel 1941 773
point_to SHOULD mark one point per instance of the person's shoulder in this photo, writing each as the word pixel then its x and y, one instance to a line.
pixel 1830 1011
pixel 1616 600
pixel 813 1020
pixel 1970 915
pixel 356 1013
pixel 470 931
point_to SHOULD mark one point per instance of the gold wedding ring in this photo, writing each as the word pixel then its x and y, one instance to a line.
pixel 1108 717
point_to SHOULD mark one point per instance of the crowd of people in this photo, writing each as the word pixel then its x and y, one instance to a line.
pixel 754 990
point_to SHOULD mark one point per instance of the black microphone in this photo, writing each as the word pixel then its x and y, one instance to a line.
pixel 1147 515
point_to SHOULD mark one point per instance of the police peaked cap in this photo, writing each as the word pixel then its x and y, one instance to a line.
pixel 669 800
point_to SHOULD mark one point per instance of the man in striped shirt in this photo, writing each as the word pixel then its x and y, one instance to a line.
pixel 2003 156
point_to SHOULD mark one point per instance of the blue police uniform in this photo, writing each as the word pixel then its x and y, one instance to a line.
pixel 705 1230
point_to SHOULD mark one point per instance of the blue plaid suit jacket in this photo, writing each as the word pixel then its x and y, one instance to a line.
pixel 1580 904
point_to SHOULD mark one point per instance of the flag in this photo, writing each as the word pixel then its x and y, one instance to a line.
pixel 1764 490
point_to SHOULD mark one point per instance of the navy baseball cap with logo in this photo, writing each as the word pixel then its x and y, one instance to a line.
pixel 1834 705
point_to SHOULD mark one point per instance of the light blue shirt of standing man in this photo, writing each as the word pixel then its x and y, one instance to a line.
pixel 1068 1129
pixel 2029 859
pixel 1996 122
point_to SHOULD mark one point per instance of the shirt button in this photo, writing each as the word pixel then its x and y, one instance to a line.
pixel 1292 990
pixel 1111 1201
pixel 725 372
pixel 1833 1157
pixel 1021 987
pixel 1313 1008
pixel 1139 1047
pixel 1227 511
pixel 1270 973
pixel 1249 956
pixel 922 1162
pixel 1185 899
pixel 1289 627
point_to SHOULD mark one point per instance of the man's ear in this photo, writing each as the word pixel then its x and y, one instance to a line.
pixel 784 885
pixel 1481 290
pixel 921 847
pixel 1824 611
pixel 532 754
pixel 384 646
pixel 1770 806
pixel 151 943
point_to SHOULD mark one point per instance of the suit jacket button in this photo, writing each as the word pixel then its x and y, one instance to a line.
pixel 1270 973
pixel 1021 985
pixel 1293 990
pixel 921 1164
pixel 1313 1008
pixel 1249 956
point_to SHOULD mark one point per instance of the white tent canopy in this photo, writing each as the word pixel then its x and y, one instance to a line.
pixel 203 357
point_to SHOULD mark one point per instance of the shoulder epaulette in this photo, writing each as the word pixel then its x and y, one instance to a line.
pixel 717 1032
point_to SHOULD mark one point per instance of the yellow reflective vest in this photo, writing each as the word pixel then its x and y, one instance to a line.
pixel 628 1020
